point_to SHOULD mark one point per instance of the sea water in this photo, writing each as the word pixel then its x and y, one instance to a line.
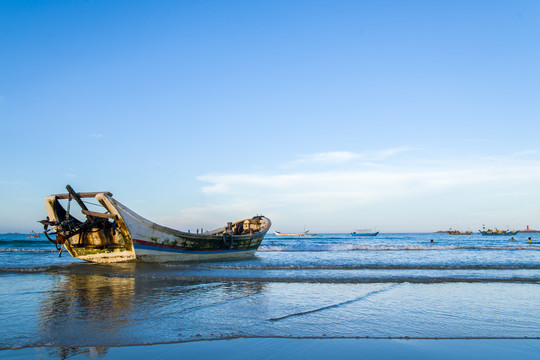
pixel 398 286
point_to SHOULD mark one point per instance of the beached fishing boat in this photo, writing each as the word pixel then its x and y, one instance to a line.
pixel 120 235
pixel 498 232
pixel 364 233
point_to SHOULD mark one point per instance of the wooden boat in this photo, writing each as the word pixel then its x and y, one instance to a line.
pixel 33 235
pixel 365 233
pixel 302 234
pixel 457 232
pixel 121 235
pixel 498 232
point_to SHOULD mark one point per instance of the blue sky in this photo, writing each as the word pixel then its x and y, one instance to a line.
pixel 334 115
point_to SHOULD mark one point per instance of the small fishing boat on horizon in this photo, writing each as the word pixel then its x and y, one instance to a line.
pixel 121 235
pixel 302 234
pixel 498 232
pixel 366 233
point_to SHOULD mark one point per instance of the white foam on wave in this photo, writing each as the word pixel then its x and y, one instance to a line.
pixel 19 250
pixel 354 247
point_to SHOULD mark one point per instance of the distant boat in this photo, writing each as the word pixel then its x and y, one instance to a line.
pixel 118 234
pixel 457 232
pixel 364 233
pixel 498 232
pixel 302 234
pixel 33 235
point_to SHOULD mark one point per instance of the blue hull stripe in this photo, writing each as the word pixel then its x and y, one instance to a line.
pixel 163 249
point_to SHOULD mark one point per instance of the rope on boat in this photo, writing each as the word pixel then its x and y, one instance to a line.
pixel 69 205
pixel 91 203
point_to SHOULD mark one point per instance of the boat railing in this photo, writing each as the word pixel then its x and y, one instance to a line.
pixel 82 195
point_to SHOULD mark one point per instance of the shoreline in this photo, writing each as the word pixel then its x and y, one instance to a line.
pixel 302 348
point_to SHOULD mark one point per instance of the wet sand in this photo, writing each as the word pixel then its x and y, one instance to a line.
pixel 313 349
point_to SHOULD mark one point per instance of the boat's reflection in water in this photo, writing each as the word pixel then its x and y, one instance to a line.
pixel 91 307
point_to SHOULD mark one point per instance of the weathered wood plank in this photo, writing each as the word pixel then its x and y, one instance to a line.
pixel 83 194
pixel 101 215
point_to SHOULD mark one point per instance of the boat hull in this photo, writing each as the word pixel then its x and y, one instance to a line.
pixel 365 234
pixel 149 252
pixel 124 236
pixel 501 233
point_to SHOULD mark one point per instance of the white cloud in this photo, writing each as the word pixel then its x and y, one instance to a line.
pixel 361 185
pixel 330 157
pixel 383 154
pixel 405 192
pixel 405 180
pixel 323 158
pixel 342 157
pixel 219 187
pixel 525 153
pixel 235 183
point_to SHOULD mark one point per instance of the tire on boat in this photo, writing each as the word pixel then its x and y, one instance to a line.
pixel 228 239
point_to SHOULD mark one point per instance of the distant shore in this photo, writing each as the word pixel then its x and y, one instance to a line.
pixel 519 231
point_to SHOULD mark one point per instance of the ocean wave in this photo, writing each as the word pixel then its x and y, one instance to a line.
pixel 36 251
pixel 24 242
pixel 27 270
pixel 354 247
pixel 376 267
pixel 336 305
pixel 266 278
pixel 357 280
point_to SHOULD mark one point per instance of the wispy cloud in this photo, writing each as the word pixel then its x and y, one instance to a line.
pixel 365 186
pixel 342 157
pixel 525 153
pixel 332 157
pixel 404 193
pixel 96 136
pixel 359 185
pixel 383 154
